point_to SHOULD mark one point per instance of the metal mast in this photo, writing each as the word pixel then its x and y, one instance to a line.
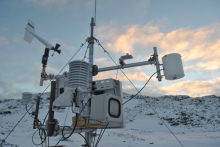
pixel 91 40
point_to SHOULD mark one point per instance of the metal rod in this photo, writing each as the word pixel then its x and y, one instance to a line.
pixel 42 74
pixel 36 113
pixel 157 65
pixel 51 121
pixel 68 130
pixel 88 135
pixel 51 77
pixel 126 66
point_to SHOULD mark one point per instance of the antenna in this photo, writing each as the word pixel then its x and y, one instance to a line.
pixel 95 13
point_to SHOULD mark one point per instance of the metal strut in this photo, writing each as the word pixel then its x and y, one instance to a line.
pixel 91 40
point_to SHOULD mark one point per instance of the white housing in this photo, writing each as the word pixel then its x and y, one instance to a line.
pixel 173 67
pixel 107 108
pixel 111 86
pixel 78 74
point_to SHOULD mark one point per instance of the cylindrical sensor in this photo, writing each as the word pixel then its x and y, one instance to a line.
pixel 78 74
pixel 173 66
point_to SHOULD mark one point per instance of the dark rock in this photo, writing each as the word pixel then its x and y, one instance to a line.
pixel 150 114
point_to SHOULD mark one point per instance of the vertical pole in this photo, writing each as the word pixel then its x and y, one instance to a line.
pixel 88 135
pixel 51 121
pixel 36 113
pixel 157 64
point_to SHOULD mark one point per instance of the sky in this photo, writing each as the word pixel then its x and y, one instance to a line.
pixel 190 28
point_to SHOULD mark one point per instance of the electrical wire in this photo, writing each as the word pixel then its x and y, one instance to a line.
pixel 85 52
pixel 95 11
pixel 63 137
pixel 84 138
pixel 141 88
pixel 42 138
pixel 3 141
pixel 97 142
pixel 140 93
pixel 75 124
pixel 28 111
pixel 69 127
pixel 94 138
pixel 64 124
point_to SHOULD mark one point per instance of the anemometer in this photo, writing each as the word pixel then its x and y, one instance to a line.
pixel 29 36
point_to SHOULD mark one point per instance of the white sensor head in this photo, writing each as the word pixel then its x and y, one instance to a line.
pixel 173 67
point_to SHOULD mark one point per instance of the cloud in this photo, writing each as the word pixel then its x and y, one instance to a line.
pixel 193 88
pixel 47 2
pixel 190 68
pixel 135 35
pixel 101 59
pixel 209 65
pixel 3 41
pixel 200 44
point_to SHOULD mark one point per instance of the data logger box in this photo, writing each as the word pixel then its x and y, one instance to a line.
pixel 107 108
pixel 110 85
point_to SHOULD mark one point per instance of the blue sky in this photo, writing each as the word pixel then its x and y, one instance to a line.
pixel 191 28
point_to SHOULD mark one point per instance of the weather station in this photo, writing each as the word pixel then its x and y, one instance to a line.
pixel 95 104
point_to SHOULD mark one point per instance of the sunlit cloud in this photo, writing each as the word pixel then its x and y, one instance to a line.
pixel 132 36
pixel 193 88
pixel 201 44
pixel 190 68
pixel 101 59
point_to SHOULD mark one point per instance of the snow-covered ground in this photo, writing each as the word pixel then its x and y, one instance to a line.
pixel 194 121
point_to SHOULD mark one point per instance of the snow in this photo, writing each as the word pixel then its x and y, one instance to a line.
pixel 194 121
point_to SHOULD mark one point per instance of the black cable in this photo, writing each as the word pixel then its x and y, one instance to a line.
pixel 140 94
pixel 86 52
pixel 74 100
pixel 84 139
pixel 94 138
pixel 42 141
pixel 84 106
pixel 63 137
pixel 70 127
pixel 45 117
pixel 64 125
pixel 101 135
pixel 141 88
pixel 28 111
pixel 98 137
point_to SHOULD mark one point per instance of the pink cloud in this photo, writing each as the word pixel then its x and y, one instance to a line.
pixel 193 88
pixel 193 44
